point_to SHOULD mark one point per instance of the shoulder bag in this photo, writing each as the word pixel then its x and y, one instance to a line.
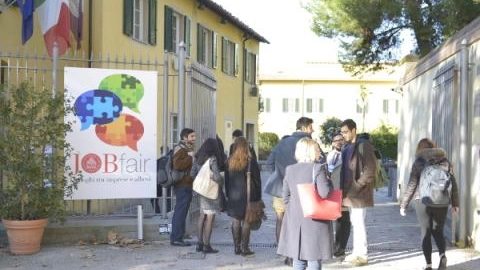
pixel 316 207
pixel 203 183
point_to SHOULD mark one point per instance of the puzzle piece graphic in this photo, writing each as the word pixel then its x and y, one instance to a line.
pixel 97 107
pixel 128 88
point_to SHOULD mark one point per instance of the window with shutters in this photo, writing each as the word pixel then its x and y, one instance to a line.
pixel 206 47
pixel 140 20
pixel 267 105
pixel 361 106
pixel 290 105
pixel 229 57
pixel 177 29
pixel 314 105
pixel 385 106
pixel 250 67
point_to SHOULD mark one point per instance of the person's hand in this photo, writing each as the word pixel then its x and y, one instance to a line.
pixel 190 153
pixel 455 209
pixel 403 212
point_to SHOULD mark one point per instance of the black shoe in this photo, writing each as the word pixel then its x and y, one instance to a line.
pixel 247 252
pixel 199 247
pixel 443 263
pixel 288 261
pixel 209 249
pixel 428 268
pixel 340 252
pixel 180 243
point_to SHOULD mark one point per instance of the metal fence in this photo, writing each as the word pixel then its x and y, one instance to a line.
pixel 42 71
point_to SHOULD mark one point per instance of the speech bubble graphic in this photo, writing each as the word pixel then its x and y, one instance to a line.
pixel 127 87
pixel 97 107
pixel 126 130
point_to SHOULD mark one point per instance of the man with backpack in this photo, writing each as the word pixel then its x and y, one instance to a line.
pixel 433 187
pixel 182 161
pixel 357 182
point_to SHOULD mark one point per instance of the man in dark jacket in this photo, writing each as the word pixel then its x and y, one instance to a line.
pixel 282 155
pixel 182 161
pixel 357 182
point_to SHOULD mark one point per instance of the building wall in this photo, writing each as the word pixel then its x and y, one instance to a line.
pixel 339 91
pixel 108 41
pixel 417 121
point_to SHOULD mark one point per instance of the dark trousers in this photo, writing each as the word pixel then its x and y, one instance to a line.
pixel 342 230
pixel 432 221
pixel 183 199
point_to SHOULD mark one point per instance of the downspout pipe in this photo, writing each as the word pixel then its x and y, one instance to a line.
pixel 90 34
pixel 463 155
pixel 242 120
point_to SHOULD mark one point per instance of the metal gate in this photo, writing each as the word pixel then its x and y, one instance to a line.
pixel 445 109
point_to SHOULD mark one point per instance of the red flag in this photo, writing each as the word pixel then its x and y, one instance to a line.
pixel 54 18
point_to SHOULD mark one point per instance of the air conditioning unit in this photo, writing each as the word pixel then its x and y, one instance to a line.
pixel 254 91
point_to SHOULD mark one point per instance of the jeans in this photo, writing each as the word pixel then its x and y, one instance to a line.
pixel 307 265
pixel 357 218
pixel 183 199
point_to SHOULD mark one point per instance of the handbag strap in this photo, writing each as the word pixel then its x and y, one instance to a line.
pixel 248 181
pixel 313 173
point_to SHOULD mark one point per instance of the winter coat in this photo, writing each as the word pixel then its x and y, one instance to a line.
pixel 422 159
pixel 236 189
pixel 358 187
pixel 206 203
pixel 282 155
pixel 304 238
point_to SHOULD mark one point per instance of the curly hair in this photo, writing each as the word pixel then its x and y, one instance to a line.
pixel 240 156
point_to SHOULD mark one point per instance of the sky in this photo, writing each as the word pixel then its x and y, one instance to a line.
pixel 286 25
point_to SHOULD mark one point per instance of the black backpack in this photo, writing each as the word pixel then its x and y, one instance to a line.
pixel 166 175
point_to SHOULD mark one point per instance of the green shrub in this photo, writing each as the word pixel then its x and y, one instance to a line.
pixel 328 129
pixel 385 139
pixel 266 142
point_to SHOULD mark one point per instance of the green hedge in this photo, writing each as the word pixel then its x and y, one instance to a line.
pixel 266 142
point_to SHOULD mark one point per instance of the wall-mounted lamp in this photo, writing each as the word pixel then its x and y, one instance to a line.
pixel 398 90
pixel 223 20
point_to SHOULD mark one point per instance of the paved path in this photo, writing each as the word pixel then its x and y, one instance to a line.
pixel 393 244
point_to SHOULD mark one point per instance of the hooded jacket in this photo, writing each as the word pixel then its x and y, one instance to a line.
pixel 422 159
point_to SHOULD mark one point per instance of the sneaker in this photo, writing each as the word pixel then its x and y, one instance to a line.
pixel 356 260
pixel 443 263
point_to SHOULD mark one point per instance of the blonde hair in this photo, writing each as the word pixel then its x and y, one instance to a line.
pixel 307 150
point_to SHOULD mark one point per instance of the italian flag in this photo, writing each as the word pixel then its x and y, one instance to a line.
pixel 54 18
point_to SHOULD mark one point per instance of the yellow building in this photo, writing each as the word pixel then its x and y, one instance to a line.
pixel 147 35
pixel 324 90
pixel 206 59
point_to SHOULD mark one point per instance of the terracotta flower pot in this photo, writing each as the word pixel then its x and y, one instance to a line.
pixel 25 236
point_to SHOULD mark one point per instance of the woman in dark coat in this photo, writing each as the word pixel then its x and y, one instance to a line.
pixel 431 219
pixel 236 191
pixel 305 240
pixel 208 207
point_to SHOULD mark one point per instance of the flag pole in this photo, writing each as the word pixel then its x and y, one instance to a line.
pixel 54 68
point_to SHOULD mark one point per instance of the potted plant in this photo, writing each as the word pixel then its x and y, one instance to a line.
pixel 35 177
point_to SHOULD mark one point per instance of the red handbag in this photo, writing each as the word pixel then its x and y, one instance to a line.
pixel 316 207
